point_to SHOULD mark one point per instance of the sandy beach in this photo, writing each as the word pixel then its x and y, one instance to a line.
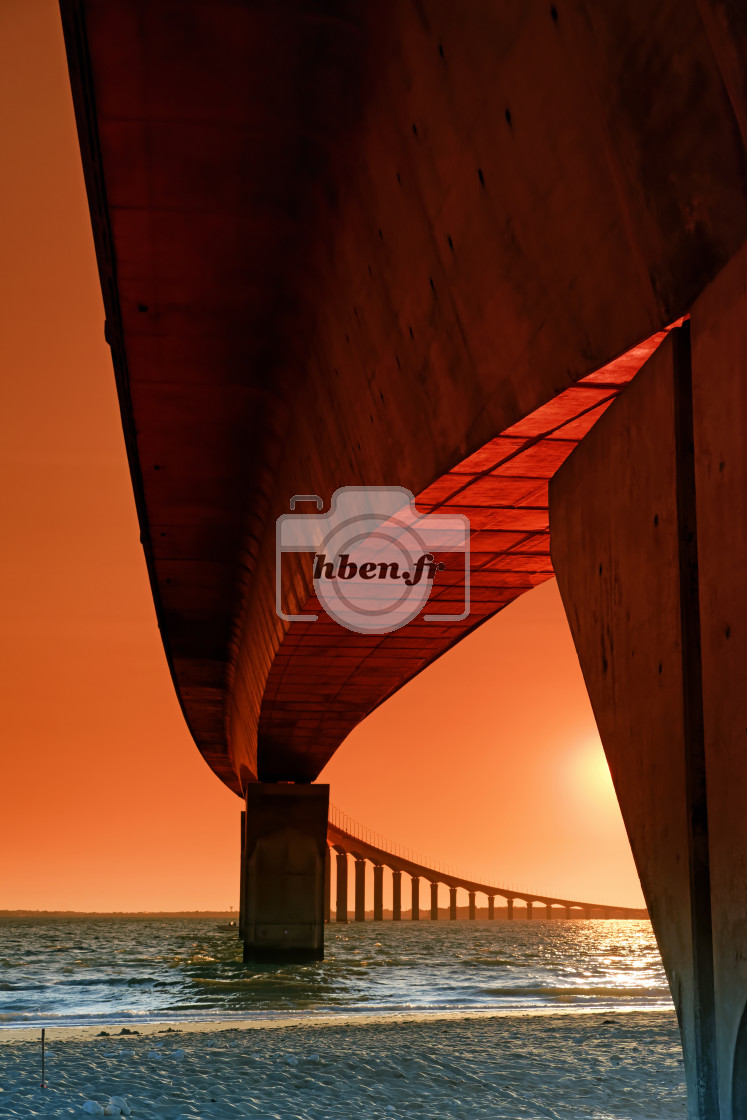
pixel 615 1066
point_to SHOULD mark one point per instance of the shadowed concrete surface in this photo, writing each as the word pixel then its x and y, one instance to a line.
pixel 283 870
pixel 348 244
pixel 652 576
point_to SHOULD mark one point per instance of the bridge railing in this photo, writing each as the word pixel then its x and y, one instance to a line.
pixel 343 821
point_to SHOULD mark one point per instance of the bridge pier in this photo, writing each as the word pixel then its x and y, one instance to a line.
pixel 529 911
pixel 434 902
pixel 360 889
pixel 567 912
pixel 587 912
pixel 285 841
pixel 548 911
pixel 491 907
pixel 415 912
pixel 652 576
pixel 242 875
pixel 327 885
pixel 472 906
pixel 378 874
pixel 509 909
pixel 452 904
pixel 396 896
pixel 341 914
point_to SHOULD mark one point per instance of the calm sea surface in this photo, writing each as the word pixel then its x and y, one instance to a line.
pixel 124 971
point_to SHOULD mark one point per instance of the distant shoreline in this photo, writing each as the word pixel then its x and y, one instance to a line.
pixel 481 914
pixel 196 914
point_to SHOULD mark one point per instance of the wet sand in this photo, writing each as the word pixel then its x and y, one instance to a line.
pixel 605 1066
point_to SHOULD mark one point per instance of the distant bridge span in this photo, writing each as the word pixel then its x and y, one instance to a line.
pixel 351 840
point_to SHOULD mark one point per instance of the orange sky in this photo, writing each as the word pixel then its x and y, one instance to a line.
pixel 105 802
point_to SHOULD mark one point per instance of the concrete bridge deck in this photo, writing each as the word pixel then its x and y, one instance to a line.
pixel 365 851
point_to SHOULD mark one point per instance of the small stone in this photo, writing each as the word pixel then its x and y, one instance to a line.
pixel 93 1108
pixel 178 1053
pixel 112 1110
pixel 121 1104
pixel 291 1061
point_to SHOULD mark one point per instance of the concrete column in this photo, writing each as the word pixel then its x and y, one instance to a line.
pixel 548 911
pixel 327 885
pixel 587 912
pixel 491 907
pixel 529 911
pixel 415 914
pixel 649 544
pixel 567 911
pixel 286 834
pixel 242 875
pixel 472 906
pixel 360 889
pixel 341 908
pixel 452 904
pixel 606 913
pixel 378 873
pixel 396 896
pixel 510 909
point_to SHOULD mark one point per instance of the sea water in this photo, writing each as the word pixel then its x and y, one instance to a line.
pixel 128 971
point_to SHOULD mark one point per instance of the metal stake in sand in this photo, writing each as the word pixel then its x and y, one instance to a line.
pixel 43 1082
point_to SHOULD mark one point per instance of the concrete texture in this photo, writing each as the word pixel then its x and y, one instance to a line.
pixel 285 853
pixel 719 357
pixel 616 550
pixel 652 577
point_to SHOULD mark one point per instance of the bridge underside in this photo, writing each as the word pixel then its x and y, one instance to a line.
pixel 350 244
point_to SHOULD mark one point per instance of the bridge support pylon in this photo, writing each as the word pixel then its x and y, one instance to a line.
pixel 452 904
pixel 649 544
pixel 242 875
pixel 434 902
pixel 284 854
pixel 510 909
pixel 327 885
pixel 360 890
pixel 378 876
pixel 415 912
pixel 472 914
pixel 396 896
pixel 491 907
pixel 529 911
pixel 341 901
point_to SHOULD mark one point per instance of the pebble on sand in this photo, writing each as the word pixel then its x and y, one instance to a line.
pixel 121 1104
pixel 93 1108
